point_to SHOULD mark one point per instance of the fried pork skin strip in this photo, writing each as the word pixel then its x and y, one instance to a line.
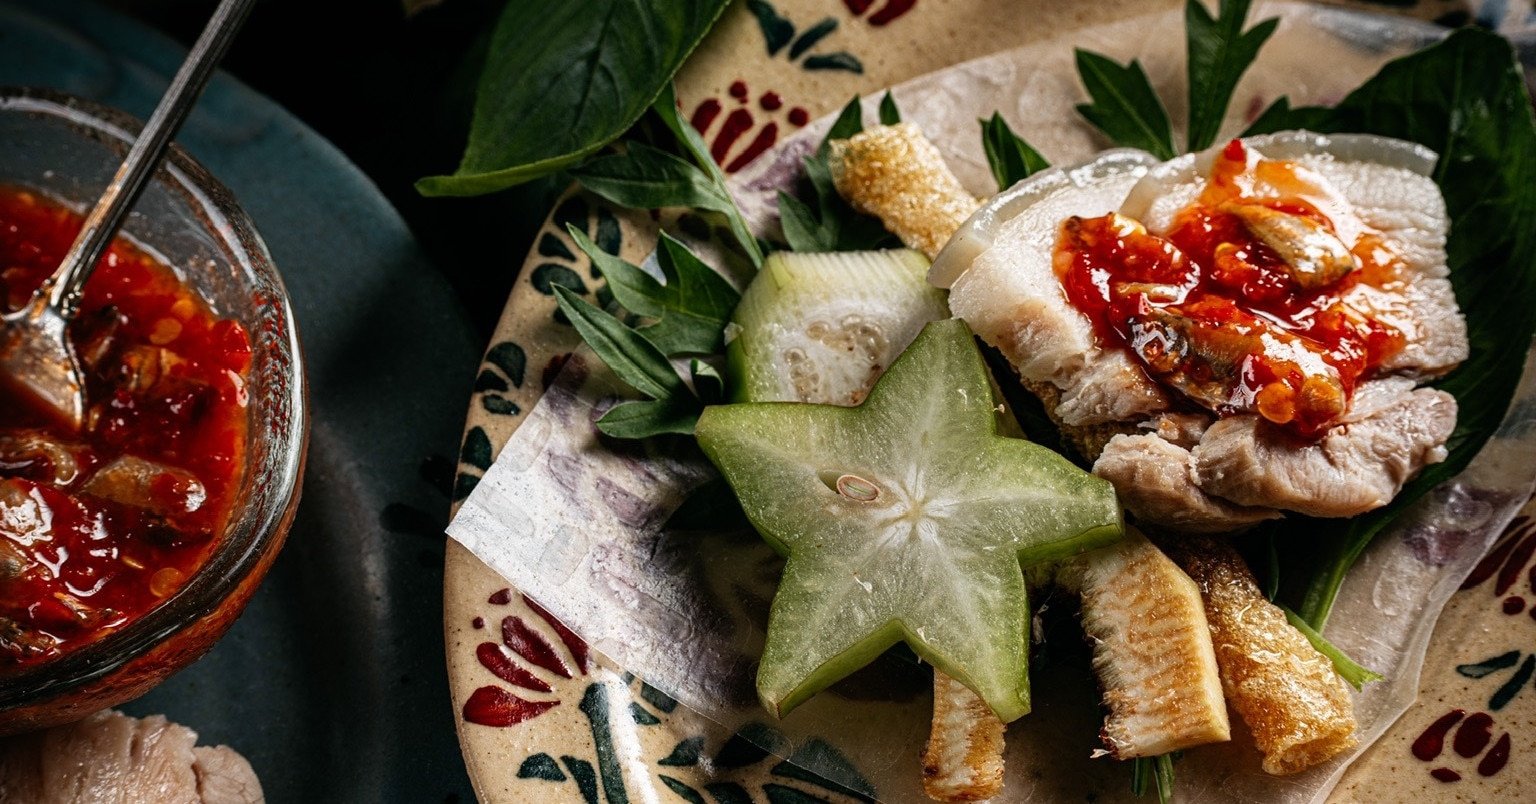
pixel 963 760
pixel 1296 706
pixel 895 174
pixel 1152 651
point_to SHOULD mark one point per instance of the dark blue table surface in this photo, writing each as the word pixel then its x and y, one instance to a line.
pixel 333 681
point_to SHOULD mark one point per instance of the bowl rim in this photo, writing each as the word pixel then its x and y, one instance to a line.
pixel 259 532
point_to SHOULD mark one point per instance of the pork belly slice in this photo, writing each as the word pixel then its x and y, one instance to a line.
pixel 1156 481
pixel 1357 466
pixel 1365 185
pixel 1005 287
pixel 110 757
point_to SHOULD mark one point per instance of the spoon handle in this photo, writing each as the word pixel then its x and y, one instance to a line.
pixel 64 286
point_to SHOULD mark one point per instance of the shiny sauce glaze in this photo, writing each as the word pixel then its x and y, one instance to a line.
pixel 1216 312
pixel 98 527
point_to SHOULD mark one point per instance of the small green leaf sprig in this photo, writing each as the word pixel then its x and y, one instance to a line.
pixel 686 311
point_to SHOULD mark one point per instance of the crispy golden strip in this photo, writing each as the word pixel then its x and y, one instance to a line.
pixel 963 760
pixel 897 175
pixel 1151 651
pixel 1297 707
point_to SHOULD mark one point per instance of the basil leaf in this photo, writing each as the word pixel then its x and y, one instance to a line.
pixel 666 109
pixel 650 418
pixel 647 178
pixel 1279 116
pixel 1124 107
pixel 1346 667
pixel 1011 158
pixel 564 79
pixel 636 360
pixel 889 114
pixel 1465 98
pixel 1219 53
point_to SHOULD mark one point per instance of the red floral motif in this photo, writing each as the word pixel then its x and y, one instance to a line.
pixel 891 10
pixel 1473 733
pixel 523 650
pixel 730 144
pixel 1506 563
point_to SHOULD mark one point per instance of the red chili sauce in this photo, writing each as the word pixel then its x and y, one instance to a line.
pixel 99 526
pixel 1215 313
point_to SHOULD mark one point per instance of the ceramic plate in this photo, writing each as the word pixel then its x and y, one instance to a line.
pixel 331 683
pixel 539 720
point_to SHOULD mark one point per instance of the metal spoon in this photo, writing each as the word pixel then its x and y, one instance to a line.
pixel 36 356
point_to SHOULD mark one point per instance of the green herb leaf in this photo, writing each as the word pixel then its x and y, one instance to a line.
pixel 829 223
pixel 634 359
pixel 707 382
pixel 889 114
pixel 691 308
pixel 564 79
pixel 1011 158
pixel 1464 98
pixel 1219 53
pixel 802 230
pixel 1124 107
pixel 651 418
pixel 647 178
pixel 1164 778
pixel 666 109
pixel 849 122
pixel 1141 773
pixel 1346 667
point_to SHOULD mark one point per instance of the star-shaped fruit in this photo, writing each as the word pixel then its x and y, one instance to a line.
pixel 906 518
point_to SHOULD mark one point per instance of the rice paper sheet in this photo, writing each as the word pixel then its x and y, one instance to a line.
pixel 576 520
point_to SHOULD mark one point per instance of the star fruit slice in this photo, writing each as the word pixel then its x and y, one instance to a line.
pixel 905 518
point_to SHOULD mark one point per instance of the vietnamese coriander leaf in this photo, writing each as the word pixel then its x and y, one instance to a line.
pixel 889 114
pixel 1464 98
pixel 1125 107
pixel 634 359
pixel 561 80
pixel 1219 53
pixel 1011 158
pixel 637 419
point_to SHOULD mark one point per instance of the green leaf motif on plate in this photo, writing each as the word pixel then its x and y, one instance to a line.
pixel 540 766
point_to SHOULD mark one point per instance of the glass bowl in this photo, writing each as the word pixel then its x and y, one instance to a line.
pixel 68 148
